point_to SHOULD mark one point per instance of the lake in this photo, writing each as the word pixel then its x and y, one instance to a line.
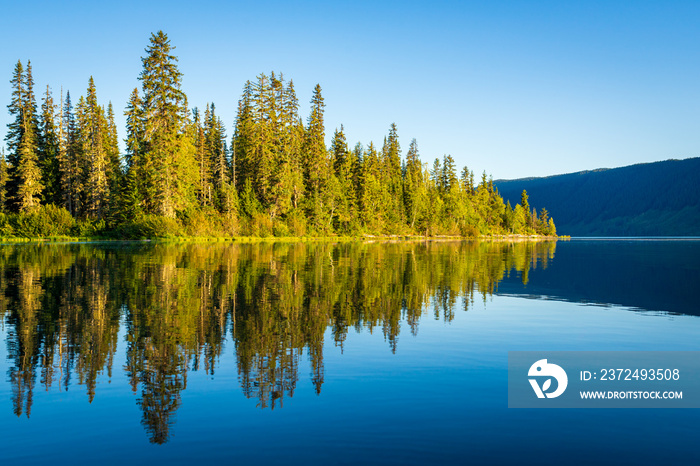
pixel 331 353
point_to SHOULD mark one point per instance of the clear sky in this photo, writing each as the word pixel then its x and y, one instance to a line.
pixel 521 88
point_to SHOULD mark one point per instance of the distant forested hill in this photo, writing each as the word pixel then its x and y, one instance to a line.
pixel 661 198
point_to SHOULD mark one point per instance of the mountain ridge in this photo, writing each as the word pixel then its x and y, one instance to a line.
pixel 645 199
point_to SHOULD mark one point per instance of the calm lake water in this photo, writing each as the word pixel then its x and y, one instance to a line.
pixel 350 353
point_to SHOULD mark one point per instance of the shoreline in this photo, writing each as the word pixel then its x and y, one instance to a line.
pixel 283 239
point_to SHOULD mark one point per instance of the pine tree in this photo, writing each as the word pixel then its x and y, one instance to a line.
pixel 115 169
pixel 526 207
pixel 167 158
pixel 133 190
pixel 413 180
pixel 241 143
pixel 96 157
pixel 294 143
pixel 49 148
pixel 67 163
pixel 16 108
pixel 29 173
pixel 372 206
pixel 80 160
pixel 346 213
pixel 24 172
pixel 316 162
pixel 203 166
pixel 392 178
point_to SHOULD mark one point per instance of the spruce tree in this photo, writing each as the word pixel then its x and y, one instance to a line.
pixel 115 170
pixel 373 208
pixel 526 207
pixel 346 212
pixel 67 164
pixel 316 158
pixel 132 193
pixel 393 178
pixel 25 184
pixel 49 147
pixel 167 158
pixel 96 156
pixel 241 142
pixel 29 185
pixel 412 181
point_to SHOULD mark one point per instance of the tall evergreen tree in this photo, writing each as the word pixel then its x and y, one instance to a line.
pixel 96 156
pixel 342 159
pixel 316 158
pixel 49 148
pixel 133 189
pixel 115 169
pixel 167 158
pixel 29 185
pixel 413 180
pixel 393 177
pixel 25 183
pixel 69 166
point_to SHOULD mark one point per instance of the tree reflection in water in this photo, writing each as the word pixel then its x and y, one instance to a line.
pixel 64 305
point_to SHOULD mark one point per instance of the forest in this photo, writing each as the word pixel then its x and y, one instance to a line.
pixel 182 176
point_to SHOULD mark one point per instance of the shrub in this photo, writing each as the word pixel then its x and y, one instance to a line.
pixel 149 226
pixel 260 225
pixel 469 231
pixel 47 220
pixel 279 228
pixel 88 227
pixel 5 225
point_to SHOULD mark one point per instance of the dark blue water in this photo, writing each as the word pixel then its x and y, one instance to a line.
pixel 331 354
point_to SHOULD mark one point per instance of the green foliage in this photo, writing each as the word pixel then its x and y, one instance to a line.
pixel 45 221
pixel 179 178
pixel 150 226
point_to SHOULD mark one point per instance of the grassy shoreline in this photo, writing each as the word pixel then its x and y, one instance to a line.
pixel 278 239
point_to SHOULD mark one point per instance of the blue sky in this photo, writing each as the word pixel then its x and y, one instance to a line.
pixel 513 88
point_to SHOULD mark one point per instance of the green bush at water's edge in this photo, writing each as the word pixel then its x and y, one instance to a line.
pixel 55 222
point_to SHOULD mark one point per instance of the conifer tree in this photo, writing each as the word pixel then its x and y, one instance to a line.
pixel 28 173
pixel 132 195
pixel 49 146
pixel 294 143
pixel 316 158
pixel 346 213
pixel 263 150
pixel 392 177
pixel 115 170
pixel 80 154
pixel 241 142
pixel 526 207
pixel 22 140
pixel 96 156
pixel 68 166
pixel 16 108
pixel 167 157
pixel 372 207
pixel 413 180
pixel 203 166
